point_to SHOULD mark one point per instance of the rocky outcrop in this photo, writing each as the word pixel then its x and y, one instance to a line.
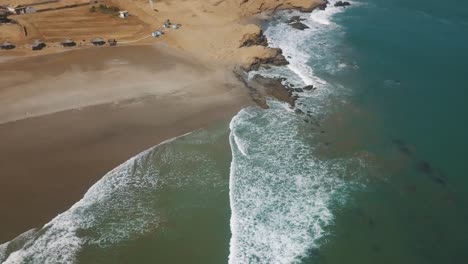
pixel 295 22
pixel 309 88
pixel 254 39
pixel 252 7
pixel 295 19
pixel 324 5
pixel 342 4
pixel 261 88
pixel 299 25
pixel 273 56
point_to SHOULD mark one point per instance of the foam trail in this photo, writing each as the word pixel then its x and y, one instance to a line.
pixel 311 45
pixel 103 217
pixel 324 16
pixel 280 195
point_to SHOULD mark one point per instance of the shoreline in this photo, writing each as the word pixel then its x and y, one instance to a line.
pixel 49 161
pixel 75 136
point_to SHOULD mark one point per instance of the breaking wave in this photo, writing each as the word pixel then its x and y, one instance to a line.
pixel 281 194
pixel 120 206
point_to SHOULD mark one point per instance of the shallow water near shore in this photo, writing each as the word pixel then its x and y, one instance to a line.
pixel 371 171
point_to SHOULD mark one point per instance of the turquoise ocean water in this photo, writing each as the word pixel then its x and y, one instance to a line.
pixel 373 171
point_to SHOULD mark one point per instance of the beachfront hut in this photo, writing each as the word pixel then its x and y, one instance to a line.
pixel 123 14
pixel 29 10
pixel 7 45
pixel 167 24
pixel 4 16
pixel 98 41
pixel 68 43
pixel 11 9
pixel 20 9
pixel 38 45
pixel 157 34
pixel 112 42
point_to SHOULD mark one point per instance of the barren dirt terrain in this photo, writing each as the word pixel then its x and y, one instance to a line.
pixel 77 23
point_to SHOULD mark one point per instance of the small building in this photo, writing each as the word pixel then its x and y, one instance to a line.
pixel 4 16
pixel 68 43
pixel 167 24
pixel 112 42
pixel 38 45
pixel 7 45
pixel 157 34
pixel 123 14
pixel 11 9
pixel 20 10
pixel 98 41
pixel 29 10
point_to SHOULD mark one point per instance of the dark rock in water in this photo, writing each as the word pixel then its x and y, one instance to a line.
pixel 435 175
pixel 308 87
pixel 398 142
pixel 402 147
pixel 299 111
pixel 405 150
pixel 298 90
pixel 306 120
pixel 267 67
pixel 440 181
pixel 277 59
pixel 425 167
pixel 291 85
pixel 342 4
pixel 299 25
pixel 323 132
pixel 294 19
pixel 289 57
pixel 324 5
pixel 261 88
pixel 327 144
pixel 254 40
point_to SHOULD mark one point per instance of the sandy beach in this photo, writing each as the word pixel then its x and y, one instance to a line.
pixel 69 115
pixel 80 114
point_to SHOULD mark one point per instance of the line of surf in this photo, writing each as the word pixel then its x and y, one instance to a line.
pixel 60 240
pixel 280 194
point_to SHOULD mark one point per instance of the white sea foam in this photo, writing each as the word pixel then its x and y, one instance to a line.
pixel 112 210
pixel 280 194
pixel 305 47
pixel 324 17
pixel 3 251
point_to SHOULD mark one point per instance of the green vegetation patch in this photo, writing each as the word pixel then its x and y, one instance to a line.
pixel 105 9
